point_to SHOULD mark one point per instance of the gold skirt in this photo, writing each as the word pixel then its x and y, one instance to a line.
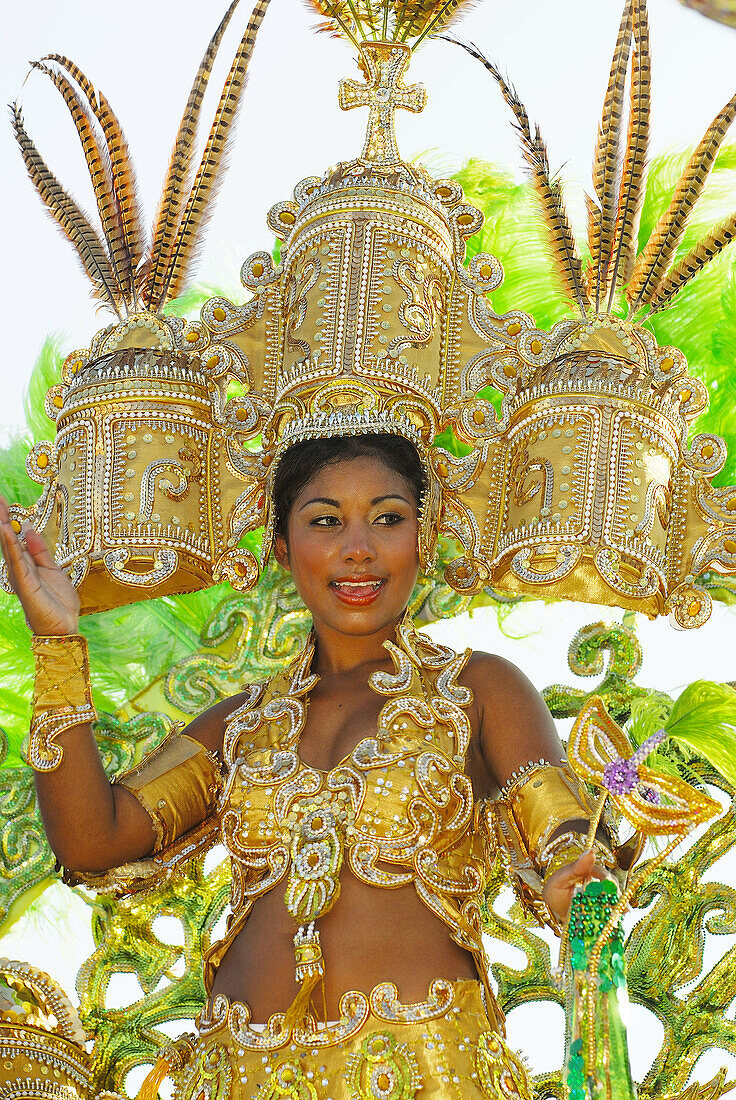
pixel 380 1049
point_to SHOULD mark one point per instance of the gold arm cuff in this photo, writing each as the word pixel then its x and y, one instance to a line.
pixel 178 785
pixel 543 798
pixel 62 696
pixel 533 805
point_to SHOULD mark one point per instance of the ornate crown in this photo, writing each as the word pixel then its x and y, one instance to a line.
pixel 584 486
pixel 126 500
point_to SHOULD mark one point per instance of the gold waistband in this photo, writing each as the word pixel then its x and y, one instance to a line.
pixel 356 1007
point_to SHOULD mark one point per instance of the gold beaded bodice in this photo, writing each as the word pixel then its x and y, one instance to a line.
pixel 397 810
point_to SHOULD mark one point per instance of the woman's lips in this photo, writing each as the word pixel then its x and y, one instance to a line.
pixel 357 591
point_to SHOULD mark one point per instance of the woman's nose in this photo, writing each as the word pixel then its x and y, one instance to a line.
pixel 358 546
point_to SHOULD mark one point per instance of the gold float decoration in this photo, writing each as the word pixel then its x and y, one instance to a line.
pixel 594 487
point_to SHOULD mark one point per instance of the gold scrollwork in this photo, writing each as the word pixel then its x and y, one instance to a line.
pixel 295 302
pixel 188 468
pixel 657 505
pixel 423 304
pixel 523 469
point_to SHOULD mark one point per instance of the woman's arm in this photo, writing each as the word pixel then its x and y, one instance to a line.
pixel 91 824
pixel 516 729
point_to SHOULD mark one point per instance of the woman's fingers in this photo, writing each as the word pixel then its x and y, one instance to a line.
pixel 37 548
pixel 559 888
pixel 20 564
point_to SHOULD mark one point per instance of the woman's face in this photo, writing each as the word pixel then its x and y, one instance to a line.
pixel 352 546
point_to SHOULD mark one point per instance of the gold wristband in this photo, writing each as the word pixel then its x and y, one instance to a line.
pixel 62 697
pixel 567 848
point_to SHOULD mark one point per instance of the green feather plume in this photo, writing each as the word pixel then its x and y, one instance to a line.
pixel 703 718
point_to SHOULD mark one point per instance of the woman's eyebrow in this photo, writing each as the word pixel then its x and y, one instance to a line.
pixel 389 496
pixel 336 503
pixel 320 500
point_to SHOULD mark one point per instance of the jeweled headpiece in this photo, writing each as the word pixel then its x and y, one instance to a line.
pixel 584 486
pixel 139 420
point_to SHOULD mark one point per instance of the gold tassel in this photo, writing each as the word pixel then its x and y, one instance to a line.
pixel 174 1058
pixel 154 1079
pixel 310 972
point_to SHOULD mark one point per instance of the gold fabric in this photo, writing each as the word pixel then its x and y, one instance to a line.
pixel 62 696
pixel 399 805
pixel 546 798
pixel 380 1049
pixel 177 784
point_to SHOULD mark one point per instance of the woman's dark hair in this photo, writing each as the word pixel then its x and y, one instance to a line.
pixel 302 461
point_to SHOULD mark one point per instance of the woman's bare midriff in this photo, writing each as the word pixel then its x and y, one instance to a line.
pixel 372 935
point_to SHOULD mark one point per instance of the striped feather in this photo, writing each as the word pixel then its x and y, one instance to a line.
pixel 97 163
pixel 602 217
pixel 178 175
pixel 128 252
pixel 69 217
pixel 210 171
pixel 631 193
pixel 549 192
pixel 693 263
pixel 668 232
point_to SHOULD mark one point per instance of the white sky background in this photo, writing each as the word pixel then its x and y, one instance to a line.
pixel 143 54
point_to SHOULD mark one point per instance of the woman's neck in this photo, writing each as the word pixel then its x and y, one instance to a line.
pixel 337 653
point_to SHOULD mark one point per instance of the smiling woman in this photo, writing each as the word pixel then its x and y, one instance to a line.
pixel 350 790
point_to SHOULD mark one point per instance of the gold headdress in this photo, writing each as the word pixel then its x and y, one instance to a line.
pixel 368 320
pixel 584 487
pixel 592 488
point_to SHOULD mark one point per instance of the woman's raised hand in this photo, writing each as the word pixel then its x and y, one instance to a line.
pixel 560 887
pixel 50 602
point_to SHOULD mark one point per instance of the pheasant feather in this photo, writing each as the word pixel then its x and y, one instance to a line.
pixel 177 178
pixel 549 192
pixel 69 217
pixel 631 193
pixel 409 21
pixel 691 264
pixel 602 216
pixel 340 19
pixel 667 234
pixel 97 162
pixel 128 250
pixel 210 171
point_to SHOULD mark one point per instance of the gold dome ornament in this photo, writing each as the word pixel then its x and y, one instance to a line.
pixel 593 487
pixel 42 1041
pixel 140 417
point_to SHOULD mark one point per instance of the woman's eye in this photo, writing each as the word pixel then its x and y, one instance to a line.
pixel 324 521
pixel 388 519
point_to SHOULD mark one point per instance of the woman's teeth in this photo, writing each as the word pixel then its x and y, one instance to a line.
pixel 358 586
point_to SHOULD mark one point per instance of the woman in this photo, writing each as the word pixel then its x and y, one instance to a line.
pixel 349 784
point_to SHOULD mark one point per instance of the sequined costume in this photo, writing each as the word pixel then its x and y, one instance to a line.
pixel 398 810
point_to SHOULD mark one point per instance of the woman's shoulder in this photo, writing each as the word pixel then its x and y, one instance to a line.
pixel 503 694
pixel 209 726
pixel 489 672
